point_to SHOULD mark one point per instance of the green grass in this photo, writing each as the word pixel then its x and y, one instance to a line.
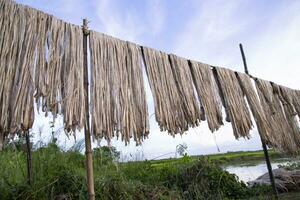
pixel 244 156
pixel 61 175
pixel 230 158
pixel 290 196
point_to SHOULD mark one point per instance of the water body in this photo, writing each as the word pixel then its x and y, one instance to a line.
pixel 251 171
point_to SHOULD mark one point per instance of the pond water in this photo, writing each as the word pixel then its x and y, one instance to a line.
pixel 252 171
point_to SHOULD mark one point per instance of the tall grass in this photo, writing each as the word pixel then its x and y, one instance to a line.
pixel 61 175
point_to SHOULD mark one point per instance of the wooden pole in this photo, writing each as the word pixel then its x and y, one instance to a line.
pixel 87 132
pixel 244 59
pixel 2 140
pixel 29 158
pixel 264 146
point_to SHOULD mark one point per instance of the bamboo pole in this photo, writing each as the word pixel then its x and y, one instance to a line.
pixel 264 146
pixel 29 158
pixel 2 141
pixel 87 132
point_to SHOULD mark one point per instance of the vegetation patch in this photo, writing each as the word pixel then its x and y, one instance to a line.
pixel 61 174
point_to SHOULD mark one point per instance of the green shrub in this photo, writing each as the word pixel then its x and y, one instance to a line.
pixel 61 175
pixel 206 180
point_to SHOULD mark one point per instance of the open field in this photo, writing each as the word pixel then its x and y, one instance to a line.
pixel 230 158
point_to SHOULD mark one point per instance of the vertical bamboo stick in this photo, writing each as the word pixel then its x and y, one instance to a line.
pixel 29 158
pixel 2 140
pixel 87 132
pixel 264 146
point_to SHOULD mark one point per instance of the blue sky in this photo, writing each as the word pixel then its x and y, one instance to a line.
pixel 207 31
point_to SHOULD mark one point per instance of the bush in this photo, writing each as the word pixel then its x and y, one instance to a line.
pixel 206 180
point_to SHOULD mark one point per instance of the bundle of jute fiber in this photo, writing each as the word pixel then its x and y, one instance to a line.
pixel 286 97
pixel 257 110
pixel 49 66
pixel 59 71
pixel 138 101
pixel 184 82
pixel 17 61
pixel 296 101
pixel 234 102
pixel 23 86
pixel 281 130
pixel 221 93
pixel 43 22
pixel 169 106
pixel 43 55
pixel 208 95
pixel 118 99
pixel 287 115
pixel 6 69
pixel 72 88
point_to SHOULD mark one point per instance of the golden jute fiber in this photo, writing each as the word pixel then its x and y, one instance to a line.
pixel 281 130
pixel 119 105
pixel 257 110
pixel 286 97
pixel 208 94
pixel 175 104
pixel 234 101
pixel 296 101
pixel 184 83
pixel 41 65
pixel 41 57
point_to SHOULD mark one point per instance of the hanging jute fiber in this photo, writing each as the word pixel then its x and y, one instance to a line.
pixel 73 101
pixel 281 130
pixel 208 94
pixel 296 101
pixel 221 93
pixel 261 120
pixel 117 91
pixel 286 97
pixel 16 65
pixel 166 82
pixel 234 101
pixel 184 83
pixel 59 71
pixel 41 57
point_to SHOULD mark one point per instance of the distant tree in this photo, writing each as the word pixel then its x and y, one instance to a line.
pixel 106 154
pixel 53 133
pixel 181 149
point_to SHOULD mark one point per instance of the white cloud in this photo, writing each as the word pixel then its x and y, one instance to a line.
pixel 272 48
pixel 212 25
pixel 69 10
pixel 275 54
pixel 113 23
pixel 129 24
pixel 155 16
